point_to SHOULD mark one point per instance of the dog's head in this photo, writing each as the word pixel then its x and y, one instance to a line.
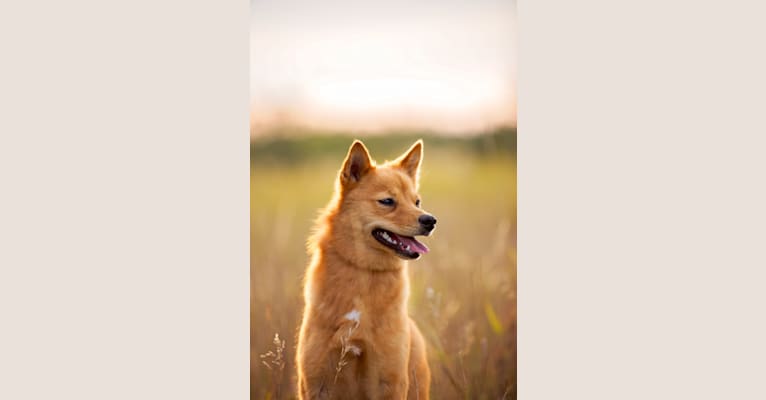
pixel 380 205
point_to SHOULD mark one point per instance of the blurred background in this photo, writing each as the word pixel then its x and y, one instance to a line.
pixel 324 73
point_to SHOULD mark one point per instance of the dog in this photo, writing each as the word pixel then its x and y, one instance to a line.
pixel 356 340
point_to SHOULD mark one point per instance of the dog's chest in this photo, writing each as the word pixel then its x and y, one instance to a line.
pixel 381 310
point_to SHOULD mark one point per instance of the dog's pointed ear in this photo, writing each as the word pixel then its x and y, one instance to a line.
pixel 410 161
pixel 357 164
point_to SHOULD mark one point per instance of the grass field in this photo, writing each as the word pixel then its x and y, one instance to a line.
pixel 463 291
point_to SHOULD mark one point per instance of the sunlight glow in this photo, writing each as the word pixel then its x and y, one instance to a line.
pixel 393 93
pixel 438 66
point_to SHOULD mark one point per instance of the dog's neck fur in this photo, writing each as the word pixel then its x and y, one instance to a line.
pixel 340 282
pixel 353 271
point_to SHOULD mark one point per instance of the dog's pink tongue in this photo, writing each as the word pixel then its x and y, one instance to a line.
pixel 414 244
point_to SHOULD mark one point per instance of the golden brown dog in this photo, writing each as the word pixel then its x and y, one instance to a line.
pixel 356 340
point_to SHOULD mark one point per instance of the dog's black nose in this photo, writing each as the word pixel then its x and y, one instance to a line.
pixel 427 221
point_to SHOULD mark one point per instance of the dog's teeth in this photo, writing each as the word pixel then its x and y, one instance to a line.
pixel 388 238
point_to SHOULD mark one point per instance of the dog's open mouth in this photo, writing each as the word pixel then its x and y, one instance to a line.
pixel 405 246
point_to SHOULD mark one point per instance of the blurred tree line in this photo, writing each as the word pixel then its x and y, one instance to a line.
pixel 299 147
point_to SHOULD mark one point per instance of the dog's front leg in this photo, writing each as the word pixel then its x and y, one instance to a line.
pixel 313 388
pixel 387 377
pixel 391 387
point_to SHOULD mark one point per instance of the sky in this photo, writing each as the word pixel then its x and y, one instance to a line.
pixel 363 66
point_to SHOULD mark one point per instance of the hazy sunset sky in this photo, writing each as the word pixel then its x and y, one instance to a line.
pixel 445 65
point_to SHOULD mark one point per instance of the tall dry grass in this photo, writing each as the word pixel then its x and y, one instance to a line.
pixel 463 291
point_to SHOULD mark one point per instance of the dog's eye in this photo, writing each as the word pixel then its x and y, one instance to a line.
pixel 417 203
pixel 387 201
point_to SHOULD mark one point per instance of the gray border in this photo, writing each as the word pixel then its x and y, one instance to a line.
pixel 641 200
pixel 124 211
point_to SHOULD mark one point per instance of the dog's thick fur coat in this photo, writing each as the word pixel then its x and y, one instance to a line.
pixel 356 340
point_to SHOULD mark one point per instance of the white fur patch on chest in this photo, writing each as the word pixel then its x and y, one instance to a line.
pixel 353 315
pixel 355 350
